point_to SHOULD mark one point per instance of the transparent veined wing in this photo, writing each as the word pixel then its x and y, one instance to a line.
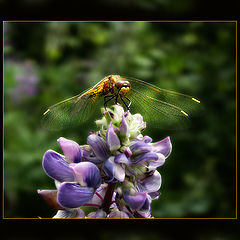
pixel 70 112
pixel 164 108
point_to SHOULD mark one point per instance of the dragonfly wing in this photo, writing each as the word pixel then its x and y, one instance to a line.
pixel 187 104
pixel 161 114
pixel 70 112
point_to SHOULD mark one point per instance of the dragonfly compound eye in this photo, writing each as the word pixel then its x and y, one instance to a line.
pixel 122 84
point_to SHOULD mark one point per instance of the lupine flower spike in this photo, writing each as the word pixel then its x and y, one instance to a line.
pixel 114 176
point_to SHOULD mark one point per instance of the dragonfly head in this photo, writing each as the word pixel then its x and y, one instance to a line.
pixel 123 87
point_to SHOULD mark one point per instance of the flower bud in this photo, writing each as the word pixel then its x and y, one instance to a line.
pixel 124 128
pixel 112 139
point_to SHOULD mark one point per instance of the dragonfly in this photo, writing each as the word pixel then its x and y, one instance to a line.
pixel 159 107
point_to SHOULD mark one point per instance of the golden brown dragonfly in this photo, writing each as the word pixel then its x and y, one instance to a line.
pixel 159 107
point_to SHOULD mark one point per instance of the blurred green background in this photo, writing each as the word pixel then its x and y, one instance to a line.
pixel 46 62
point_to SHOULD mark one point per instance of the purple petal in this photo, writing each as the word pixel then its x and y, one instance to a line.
pixel 71 150
pixel 113 170
pixel 89 156
pixel 119 172
pixel 99 147
pixel 75 213
pixel 56 167
pixel 151 183
pixel 140 147
pixel 145 157
pixel 164 147
pixel 98 214
pixel 142 214
pixel 108 114
pixel 121 158
pixel 118 214
pixel 124 128
pixel 79 213
pixel 147 139
pixel 135 201
pixel 108 168
pixel 94 160
pixel 99 196
pixel 146 205
pixel 72 195
pixel 153 164
pixel 126 210
pixel 154 195
pixel 127 152
pixel 87 174
pixel 112 139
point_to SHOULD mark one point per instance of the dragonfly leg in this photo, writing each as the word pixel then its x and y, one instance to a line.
pixel 116 99
pixel 127 106
pixel 106 101
pixel 116 102
pixel 130 102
